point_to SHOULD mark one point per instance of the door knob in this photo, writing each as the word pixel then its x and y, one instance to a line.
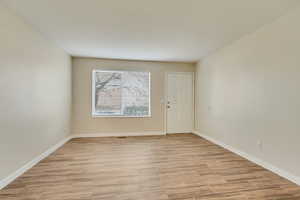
pixel 168 106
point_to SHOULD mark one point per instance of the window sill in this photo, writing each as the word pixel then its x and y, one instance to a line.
pixel 118 116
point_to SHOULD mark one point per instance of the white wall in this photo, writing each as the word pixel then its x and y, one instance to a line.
pixel 35 81
pixel 249 91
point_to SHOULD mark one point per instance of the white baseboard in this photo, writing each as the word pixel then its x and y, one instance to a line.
pixel 266 165
pixel 33 162
pixel 36 160
pixel 30 164
pixel 120 134
pixel 179 132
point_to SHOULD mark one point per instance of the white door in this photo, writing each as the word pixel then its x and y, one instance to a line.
pixel 180 102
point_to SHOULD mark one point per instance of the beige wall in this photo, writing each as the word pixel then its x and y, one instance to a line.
pixel 84 123
pixel 35 96
pixel 250 92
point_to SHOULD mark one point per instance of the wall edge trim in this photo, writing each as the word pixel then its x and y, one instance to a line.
pixel 118 134
pixel 10 178
pixel 283 173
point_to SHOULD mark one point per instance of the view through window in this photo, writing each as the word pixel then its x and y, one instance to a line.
pixel 121 93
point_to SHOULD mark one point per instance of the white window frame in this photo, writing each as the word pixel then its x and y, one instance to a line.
pixel 95 114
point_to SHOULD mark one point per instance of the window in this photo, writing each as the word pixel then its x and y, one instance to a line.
pixel 121 93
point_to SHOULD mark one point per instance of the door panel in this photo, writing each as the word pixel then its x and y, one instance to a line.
pixel 180 102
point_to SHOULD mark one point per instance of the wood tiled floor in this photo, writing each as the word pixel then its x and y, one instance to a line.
pixel 173 167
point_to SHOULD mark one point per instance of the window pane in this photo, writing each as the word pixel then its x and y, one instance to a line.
pixel 135 93
pixel 108 97
pixel 122 93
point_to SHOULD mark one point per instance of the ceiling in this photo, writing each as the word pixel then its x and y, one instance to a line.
pixel 164 30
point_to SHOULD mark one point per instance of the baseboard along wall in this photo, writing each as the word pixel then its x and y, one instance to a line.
pixel 30 164
pixel 145 133
pixel 266 165
pixel 4 182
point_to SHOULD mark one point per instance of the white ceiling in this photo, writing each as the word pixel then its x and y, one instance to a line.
pixel 168 30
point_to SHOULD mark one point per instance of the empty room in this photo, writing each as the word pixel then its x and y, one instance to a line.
pixel 149 100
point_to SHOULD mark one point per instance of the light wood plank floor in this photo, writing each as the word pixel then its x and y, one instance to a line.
pixel 177 167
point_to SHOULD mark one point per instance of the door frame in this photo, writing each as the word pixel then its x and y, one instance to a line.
pixel 166 99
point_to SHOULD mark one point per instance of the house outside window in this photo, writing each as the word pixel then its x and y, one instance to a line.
pixel 121 94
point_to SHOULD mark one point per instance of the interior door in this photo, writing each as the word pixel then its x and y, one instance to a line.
pixel 180 102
